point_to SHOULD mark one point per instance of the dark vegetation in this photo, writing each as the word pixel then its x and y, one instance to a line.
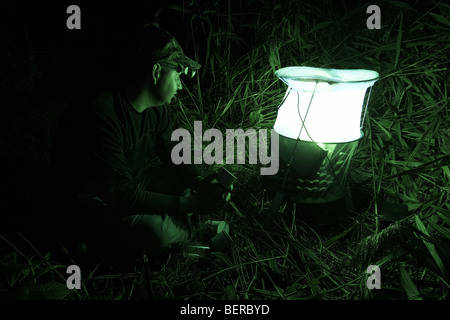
pixel 399 176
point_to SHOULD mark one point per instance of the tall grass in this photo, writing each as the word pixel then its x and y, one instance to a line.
pixel 401 162
pixel 404 155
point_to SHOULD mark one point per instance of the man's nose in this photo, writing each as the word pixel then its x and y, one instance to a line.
pixel 179 85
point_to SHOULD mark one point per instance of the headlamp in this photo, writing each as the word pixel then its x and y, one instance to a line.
pixel 190 73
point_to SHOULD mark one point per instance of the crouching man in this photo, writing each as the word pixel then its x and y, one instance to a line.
pixel 115 186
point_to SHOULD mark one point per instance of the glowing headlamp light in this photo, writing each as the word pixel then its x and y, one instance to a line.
pixel 190 73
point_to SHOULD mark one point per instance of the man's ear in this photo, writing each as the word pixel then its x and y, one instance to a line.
pixel 156 73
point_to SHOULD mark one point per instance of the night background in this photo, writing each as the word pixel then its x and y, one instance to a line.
pixel 399 216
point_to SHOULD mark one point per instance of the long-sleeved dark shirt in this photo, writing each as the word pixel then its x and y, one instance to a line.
pixel 102 147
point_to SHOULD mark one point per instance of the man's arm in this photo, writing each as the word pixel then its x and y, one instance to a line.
pixel 109 175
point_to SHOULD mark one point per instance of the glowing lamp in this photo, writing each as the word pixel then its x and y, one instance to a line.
pixel 319 124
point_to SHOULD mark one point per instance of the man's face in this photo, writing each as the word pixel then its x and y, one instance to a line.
pixel 168 84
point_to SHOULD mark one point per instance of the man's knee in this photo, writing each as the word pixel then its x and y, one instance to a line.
pixel 159 233
pixel 174 232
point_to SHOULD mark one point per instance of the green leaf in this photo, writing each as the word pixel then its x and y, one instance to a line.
pixel 444 218
pixel 446 170
pixel 292 288
pixel 441 19
pixel 314 286
pixel 442 230
pixel 399 42
pixel 255 117
pixel 335 238
pixel 408 285
pixel 236 209
pixel 431 248
pixel 378 123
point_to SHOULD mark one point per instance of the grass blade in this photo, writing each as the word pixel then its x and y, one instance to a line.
pixel 408 285
pixel 399 42
pixel 431 248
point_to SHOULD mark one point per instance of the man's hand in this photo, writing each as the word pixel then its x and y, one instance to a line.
pixel 209 195
pixel 212 198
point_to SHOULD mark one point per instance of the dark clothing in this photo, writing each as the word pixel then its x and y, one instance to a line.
pixel 104 148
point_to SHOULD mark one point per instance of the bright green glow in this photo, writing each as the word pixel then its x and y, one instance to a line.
pixel 335 112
